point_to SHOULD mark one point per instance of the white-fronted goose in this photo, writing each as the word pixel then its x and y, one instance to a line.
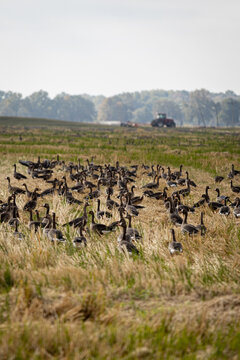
pixel 17 175
pixel 124 241
pixel 174 247
pixel 82 220
pixel 80 241
pixel 220 198
pixel 101 213
pixel 235 188
pixel 225 210
pixel 152 185
pixel 188 228
pixel 54 234
pixel 174 217
pixel 31 204
pixel 236 210
pixel 201 227
pixel 100 229
pixel 14 189
pixel 218 179
pixel 133 233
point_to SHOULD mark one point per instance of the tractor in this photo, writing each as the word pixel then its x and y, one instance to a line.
pixel 162 120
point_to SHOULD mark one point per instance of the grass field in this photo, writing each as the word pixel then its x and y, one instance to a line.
pixel 58 302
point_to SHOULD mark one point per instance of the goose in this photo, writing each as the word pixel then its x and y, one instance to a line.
pixel 33 224
pixel 111 203
pixel 100 229
pixel 186 191
pixel 201 227
pixel 31 204
pixel 14 217
pixel 181 207
pixel 54 234
pixel 178 174
pixel 234 171
pixel 200 202
pixel 220 198
pixel 235 189
pixel 80 220
pixel 80 241
pixel 14 189
pixel 133 233
pixel 191 182
pixel 218 179
pixel 236 210
pixel 188 228
pixel 206 193
pixel 152 185
pixel 131 209
pixel 225 210
pixel 47 219
pixel 214 205
pixel 124 241
pixel 174 217
pixel 135 199
pixel 174 247
pixel 17 175
pixel 100 213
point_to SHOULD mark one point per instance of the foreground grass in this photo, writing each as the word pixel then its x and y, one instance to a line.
pixel 59 302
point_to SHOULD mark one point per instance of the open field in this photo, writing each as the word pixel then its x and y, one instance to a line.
pixel 57 301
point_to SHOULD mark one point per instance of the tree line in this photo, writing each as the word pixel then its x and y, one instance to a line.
pixel 199 107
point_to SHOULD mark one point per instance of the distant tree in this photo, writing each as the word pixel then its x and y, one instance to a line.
pixel 230 112
pixel 113 109
pixel 10 103
pixel 73 108
pixel 200 107
pixel 142 115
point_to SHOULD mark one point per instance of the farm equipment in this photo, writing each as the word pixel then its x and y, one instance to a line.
pixel 162 120
pixel 128 124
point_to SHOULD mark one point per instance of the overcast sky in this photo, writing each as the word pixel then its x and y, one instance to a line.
pixel 113 46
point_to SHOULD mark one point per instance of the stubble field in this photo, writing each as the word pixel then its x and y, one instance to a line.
pixel 96 302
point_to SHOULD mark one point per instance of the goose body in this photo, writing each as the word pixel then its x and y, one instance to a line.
pixel 188 228
pixel 174 247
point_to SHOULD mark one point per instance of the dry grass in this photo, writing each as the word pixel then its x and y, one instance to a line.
pixel 60 302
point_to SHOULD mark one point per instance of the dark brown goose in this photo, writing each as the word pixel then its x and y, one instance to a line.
pixel 174 247
pixel 218 179
pixel 201 227
pixel 31 204
pixel 100 229
pixel 133 233
pixel 17 175
pixel 188 228
pixel 80 240
pixel 236 210
pixel 14 189
pixel 100 213
pixel 174 217
pixel 124 241
pixel 82 220
pixel 235 188
pixel 54 234
pixel 152 185
pixel 220 198
pixel 225 210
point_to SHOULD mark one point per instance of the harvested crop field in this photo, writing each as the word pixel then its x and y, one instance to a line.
pixel 100 301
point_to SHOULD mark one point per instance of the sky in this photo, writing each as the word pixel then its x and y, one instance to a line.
pixel 113 46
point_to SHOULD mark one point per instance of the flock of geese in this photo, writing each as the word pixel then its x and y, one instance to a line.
pixel 108 181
